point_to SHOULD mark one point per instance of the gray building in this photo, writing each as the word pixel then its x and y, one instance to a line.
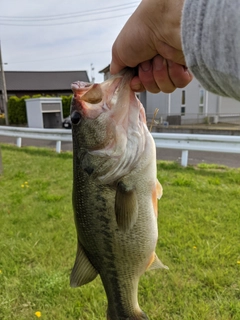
pixel 190 105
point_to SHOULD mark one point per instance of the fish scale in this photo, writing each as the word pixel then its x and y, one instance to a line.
pixel 114 192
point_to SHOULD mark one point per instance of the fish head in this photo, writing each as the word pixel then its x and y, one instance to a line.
pixel 108 125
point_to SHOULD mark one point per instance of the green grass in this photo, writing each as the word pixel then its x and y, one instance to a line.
pixel 199 239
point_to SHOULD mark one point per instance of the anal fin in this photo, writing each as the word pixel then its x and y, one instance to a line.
pixel 126 206
pixel 155 263
pixel 83 271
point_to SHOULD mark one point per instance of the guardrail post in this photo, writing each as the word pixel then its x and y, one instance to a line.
pixel 184 160
pixel 19 142
pixel 58 146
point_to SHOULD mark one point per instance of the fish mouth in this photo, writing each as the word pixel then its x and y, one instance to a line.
pixel 90 100
pixel 94 93
pixel 80 85
pixel 113 95
pixel 87 92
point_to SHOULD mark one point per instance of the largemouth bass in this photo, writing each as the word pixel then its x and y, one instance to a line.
pixel 115 192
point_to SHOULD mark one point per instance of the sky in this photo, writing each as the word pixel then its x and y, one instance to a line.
pixel 51 35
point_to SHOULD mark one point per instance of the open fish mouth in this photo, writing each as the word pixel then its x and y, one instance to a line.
pixel 115 93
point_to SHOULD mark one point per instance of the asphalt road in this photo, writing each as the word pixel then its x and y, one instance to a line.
pixel 194 157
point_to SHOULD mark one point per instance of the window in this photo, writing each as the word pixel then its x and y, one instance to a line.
pixel 183 97
pixel 200 110
pixel 183 108
pixel 201 99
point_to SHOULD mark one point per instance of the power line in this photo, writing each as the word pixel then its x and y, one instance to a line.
pixel 4 90
pixel 65 17
pixel 72 14
pixel 64 23
pixel 56 58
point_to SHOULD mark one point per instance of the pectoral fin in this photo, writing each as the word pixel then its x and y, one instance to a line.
pixel 126 206
pixel 83 271
pixel 155 263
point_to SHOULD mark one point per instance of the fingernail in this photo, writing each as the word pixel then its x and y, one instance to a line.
pixel 158 63
pixel 136 85
pixel 137 88
pixel 145 66
pixel 185 69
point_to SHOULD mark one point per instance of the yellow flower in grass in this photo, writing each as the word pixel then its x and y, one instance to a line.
pixel 238 262
pixel 38 314
pixel 0 271
pixel 194 247
pixel 25 184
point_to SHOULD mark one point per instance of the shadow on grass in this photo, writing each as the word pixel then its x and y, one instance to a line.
pixel 38 151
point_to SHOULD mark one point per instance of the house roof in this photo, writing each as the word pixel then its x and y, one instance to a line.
pixel 43 80
pixel 105 70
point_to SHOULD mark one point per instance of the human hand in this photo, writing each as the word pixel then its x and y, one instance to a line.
pixel 151 40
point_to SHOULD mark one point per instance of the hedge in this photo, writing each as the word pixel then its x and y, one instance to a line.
pixel 66 103
pixel 17 108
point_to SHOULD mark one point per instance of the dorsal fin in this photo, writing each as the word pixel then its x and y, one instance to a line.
pixel 83 271
pixel 126 206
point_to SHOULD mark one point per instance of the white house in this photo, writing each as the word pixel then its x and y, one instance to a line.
pixel 192 104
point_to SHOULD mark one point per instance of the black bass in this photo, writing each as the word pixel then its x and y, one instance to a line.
pixel 115 192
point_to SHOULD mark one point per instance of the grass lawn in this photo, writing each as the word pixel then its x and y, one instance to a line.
pixel 199 240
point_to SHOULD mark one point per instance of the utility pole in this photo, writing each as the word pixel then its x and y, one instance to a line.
pixel 1 165
pixel 4 90
pixel 92 73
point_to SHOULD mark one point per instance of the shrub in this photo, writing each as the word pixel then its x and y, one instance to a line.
pixel 66 103
pixel 2 119
pixel 17 108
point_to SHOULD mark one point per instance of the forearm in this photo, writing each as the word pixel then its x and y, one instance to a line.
pixel 211 44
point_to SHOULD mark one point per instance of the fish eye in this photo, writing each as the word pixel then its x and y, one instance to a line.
pixel 75 117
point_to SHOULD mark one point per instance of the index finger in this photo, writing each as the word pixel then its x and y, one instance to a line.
pixel 116 64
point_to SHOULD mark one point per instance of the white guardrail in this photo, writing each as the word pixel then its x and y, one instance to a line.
pixel 197 142
pixel 184 142
pixel 57 135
